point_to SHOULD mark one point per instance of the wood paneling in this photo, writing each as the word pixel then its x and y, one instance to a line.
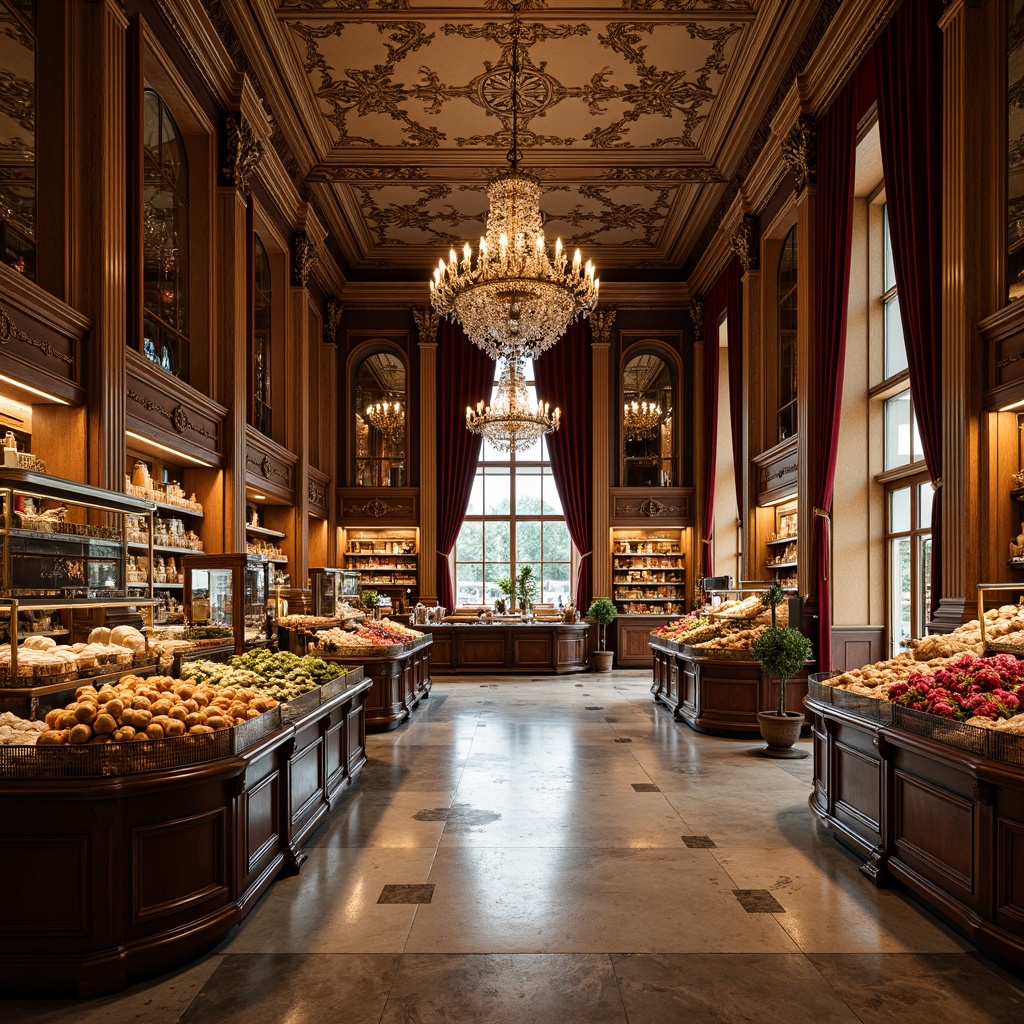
pixel 379 506
pixel 856 646
pixel 651 506
pixel 57 910
pixel 269 468
pixel 776 472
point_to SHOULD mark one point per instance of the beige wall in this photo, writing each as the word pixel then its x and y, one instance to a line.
pixel 725 552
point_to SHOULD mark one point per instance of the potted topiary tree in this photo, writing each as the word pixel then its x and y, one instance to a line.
pixel 368 601
pixel 781 653
pixel 602 611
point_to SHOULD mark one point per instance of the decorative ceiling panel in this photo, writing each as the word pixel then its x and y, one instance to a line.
pixel 412 102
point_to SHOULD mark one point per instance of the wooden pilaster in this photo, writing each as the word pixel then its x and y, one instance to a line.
pixel 601 557
pixel 303 422
pixel 427 322
pixel 752 412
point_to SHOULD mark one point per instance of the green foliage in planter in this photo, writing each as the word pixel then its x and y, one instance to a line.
pixel 368 599
pixel 602 611
pixel 526 587
pixel 772 596
pixel 781 652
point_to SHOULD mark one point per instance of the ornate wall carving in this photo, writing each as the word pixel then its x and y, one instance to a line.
pixel 800 151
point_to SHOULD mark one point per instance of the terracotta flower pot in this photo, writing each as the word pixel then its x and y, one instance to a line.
pixel 780 732
pixel 601 660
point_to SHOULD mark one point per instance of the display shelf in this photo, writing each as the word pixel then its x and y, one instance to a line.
pixel 157 586
pixel 648 572
pixel 781 546
pixel 166 506
pixel 780 565
pixel 263 531
pixel 396 551
pixel 782 540
pixel 160 549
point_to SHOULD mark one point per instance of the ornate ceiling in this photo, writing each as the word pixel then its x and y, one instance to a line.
pixel 634 114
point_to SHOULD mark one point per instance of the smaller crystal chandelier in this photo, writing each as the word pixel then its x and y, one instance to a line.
pixel 640 420
pixel 511 423
pixel 386 416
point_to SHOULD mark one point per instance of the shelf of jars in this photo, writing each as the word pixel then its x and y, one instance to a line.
pixel 781 545
pixel 262 540
pixel 383 558
pixel 648 572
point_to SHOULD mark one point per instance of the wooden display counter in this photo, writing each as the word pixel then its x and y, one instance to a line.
pixel 721 696
pixel 632 636
pixel 538 647
pixel 112 878
pixel 946 822
pixel 399 682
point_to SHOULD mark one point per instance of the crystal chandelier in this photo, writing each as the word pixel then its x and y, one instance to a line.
pixel 514 298
pixel 386 416
pixel 640 420
pixel 511 423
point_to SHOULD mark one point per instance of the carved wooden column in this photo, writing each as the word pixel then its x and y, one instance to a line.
pixel 329 436
pixel 240 152
pixel 601 321
pixel 746 244
pixel 799 150
pixel 427 323
pixel 968 274
pixel 305 257
pixel 101 280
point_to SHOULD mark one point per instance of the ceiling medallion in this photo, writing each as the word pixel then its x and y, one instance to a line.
pixel 511 423
pixel 515 300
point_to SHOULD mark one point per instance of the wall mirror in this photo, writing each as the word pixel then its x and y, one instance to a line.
pixel 380 420
pixel 648 408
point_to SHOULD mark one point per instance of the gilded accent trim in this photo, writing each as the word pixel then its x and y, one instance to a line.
pixel 242 152
pixel 601 322
pixel 304 258
pixel 267 467
pixel 1009 360
pixel 9 332
pixel 377 508
pixel 177 416
pixel 745 243
pixel 427 322
pixel 651 508
pixel 317 494
pixel 697 316
pixel 333 319
pixel 800 151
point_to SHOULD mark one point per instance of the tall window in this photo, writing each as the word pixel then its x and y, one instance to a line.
pixel 514 519
pixel 165 239
pixel 909 493
pixel 18 135
pixel 787 318
pixel 261 337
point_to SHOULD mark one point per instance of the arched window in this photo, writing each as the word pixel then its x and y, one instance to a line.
pixel 648 416
pixel 514 520
pixel 379 414
pixel 18 136
pixel 262 297
pixel 165 325
pixel 787 295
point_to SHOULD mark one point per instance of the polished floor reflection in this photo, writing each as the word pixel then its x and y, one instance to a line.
pixel 509 857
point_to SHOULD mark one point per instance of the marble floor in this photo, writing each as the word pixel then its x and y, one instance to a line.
pixel 558 850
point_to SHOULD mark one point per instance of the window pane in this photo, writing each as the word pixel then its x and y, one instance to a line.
pixel 470 544
pixel 924 583
pixel 899 511
pixel 924 506
pixel 476 496
pixel 895 346
pixel 556 542
pixel 528 542
pixel 497 492
pixel 469 588
pixel 494 571
pixel 552 502
pixel 555 584
pixel 528 491
pixel 901 625
pixel 890 270
pixel 897 430
pixel 497 546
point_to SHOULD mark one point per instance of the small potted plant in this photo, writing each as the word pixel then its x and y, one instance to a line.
pixel 781 653
pixel 526 589
pixel 602 611
pixel 507 587
pixel 368 601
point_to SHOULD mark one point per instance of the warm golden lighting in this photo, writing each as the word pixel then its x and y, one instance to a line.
pixel 511 423
pixel 640 420
pixel 386 416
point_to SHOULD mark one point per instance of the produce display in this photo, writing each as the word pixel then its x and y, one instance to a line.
pixel 18 732
pixel 207 633
pixel 153 708
pixel 384 633
pixel 283 676
pixel 41 658
pixel 730 627
pixel 345 611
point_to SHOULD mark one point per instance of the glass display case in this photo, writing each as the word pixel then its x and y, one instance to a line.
pixel 328 586
pixel 226 596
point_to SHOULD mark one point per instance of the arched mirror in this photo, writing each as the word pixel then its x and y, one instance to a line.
pixel 648 411
pixel 380 421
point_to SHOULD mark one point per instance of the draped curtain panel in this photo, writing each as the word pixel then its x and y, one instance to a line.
pixel 464 376
pixel 564 377
pixel 908 77
pixel 725 296
pixel 833 237
pixel 737 403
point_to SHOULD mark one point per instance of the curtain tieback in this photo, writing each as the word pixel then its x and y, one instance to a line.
pixel 586 554
pixel 936 484
pixel 828 537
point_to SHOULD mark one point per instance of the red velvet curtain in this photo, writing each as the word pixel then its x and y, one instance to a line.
pixel 908 76
pixel 833 239
pixel 725 296
pixel 464 376
pixel 564 377
pixel 737 398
